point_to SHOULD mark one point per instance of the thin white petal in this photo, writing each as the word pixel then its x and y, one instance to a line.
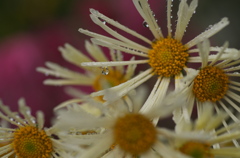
pixel 111 41
pixel 125 87
pixel 233 117
pixel 234 82
pixel 118 25
pixel 167 152
pixel 169 6
pixel 81 120
pixel 98 148
pixel 73 55
pixel 40 120
pixel 204 52
pixel 225 45
pixel 232 69
pixel 95 51
pixel 226 152
pixel 109 30
pixel 224 138
pixel 68 102
pixel 231 63
pixel 208 33
pixel 113 63
pixel 185 13
pixel 120 46
pixel 60 82
pixel 130 70
pixel 26 112
pixel 144 10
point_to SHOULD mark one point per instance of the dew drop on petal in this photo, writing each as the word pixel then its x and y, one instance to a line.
pixel 103 21
pixel 145 24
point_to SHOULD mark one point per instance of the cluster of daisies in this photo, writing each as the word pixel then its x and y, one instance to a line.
pixel 120 119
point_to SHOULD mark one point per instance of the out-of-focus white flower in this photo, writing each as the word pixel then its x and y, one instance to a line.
pixel 205 137
pixel 98 79
pixel 30 138
pixel 118 132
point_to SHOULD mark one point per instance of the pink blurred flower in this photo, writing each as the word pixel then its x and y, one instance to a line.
pixel 20 55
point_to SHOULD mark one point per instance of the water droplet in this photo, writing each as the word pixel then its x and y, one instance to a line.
pixel 145 24
pixel 34 121
pixel 194 12
pixel 171 17
pixel 209 27
pixel 105 71
pixel 103 21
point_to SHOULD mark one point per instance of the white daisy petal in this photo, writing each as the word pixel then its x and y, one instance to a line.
pixel 208 33
pixel 145 11
pixel 113 63
pixel 185 13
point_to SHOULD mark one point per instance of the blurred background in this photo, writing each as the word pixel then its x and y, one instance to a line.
pixel 31 32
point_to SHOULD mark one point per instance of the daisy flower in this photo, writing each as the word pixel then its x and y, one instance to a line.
pixel 124 134
pixel 98 80
pixel 166 55
pixel 217 142
pixel 30 139
pixel 213 82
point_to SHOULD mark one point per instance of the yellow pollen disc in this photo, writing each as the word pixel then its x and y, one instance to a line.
pixel 134 133
pixel 211 84
pixel 30 142
pixel 196 150
pixel 167 57
pixel 114 78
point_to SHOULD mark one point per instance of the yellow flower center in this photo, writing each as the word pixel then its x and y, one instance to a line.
pixel 30 142
pixel 134 133
pixel 196 150
pixel 167 57
pixel 114 78
pixel 211 84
